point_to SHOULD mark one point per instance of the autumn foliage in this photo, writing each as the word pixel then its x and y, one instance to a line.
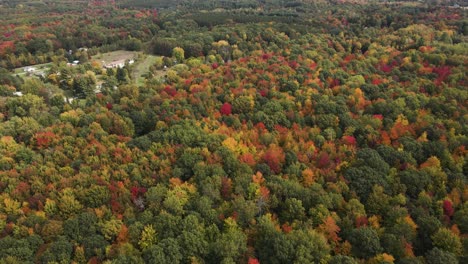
pixel 263 132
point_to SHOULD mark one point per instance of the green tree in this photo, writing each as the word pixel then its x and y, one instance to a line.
pixel 309 247
pixel 155 254
pixel 110 229
pixel 438 256
pixel 172 250
pixel 415 181
pixel 51 230
pixel 19 249
pixel 95 245
pixel 21 128
pixel 148 237
pixel 339 259
pixel 163 47
pixel 96 196
pixel 179 54
pixel 293 210
pixel 122 75
pixel 461 218
pixel 445 240
pixel 68 204
pixel 232 243
pixel 363 178
pixel 193 239
pixel 39 45
pixel 59 251
pixel 365 242
pixel 80 227
pixel 28 105
pixel 427 226
pixel 32 86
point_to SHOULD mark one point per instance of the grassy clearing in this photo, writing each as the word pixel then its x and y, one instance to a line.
pixel 142 67
pixel 39 68
pixel 115 56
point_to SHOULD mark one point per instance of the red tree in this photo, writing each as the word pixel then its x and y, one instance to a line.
pixel 226 109
pixel 448 208
pixel 274 157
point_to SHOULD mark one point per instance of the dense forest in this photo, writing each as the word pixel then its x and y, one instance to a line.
pixel 247 131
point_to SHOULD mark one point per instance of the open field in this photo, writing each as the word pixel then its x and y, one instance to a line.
pixel 113 56
pixel 39 67
pixel 142 67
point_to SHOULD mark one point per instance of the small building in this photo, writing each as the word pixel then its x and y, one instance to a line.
pixel 69 100
pixel 76 62
pixel 18 94
pixel 30 69
pixel 40 74
pixel 115 64
pixel 98 88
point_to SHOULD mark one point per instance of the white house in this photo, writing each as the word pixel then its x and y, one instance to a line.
pixel 115 64
pixel 30 69
pixel 98 88
pixel 118 63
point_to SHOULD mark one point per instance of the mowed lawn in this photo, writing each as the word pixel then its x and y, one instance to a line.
pixel 39 68
pixel 117 55
pixel 142 67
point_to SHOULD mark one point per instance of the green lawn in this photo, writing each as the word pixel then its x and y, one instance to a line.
pixel 39 67
pixel 115 56
pixel 142 67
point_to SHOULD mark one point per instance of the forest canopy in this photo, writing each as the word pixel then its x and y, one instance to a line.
pixel 233 132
